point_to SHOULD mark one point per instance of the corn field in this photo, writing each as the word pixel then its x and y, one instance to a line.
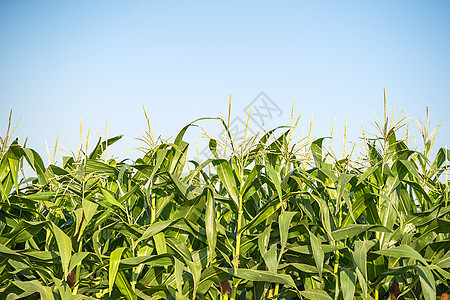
pixel 266 217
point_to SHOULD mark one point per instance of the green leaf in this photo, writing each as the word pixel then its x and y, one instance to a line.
pixel 251 183
pixel 179 248
pixel 114 262
pixel 35 286
pixel 64 246
pixel 213 147
pixel 14 167
pixel 36 163
pixel 427 282
pixel 226 176
pixel 77 258
pixel 307 249
pixel 192 209
pixel 63 288
pixel 160 243
pixel 210 225
pixel 97 167
pixel 412 168
pixel 89 209
pixel 22 232
pixel 40 196
pixel 275 178
pixel 179 267
pixel 198 169
pixel 111 199
pixel 284 221
pixel 315 295
pixel 341 186
pixel 441 156
pixel 209 276
pixel 263 240
pixel 259 275
pixel 11 254
pixel 271 259
pixel 357 208
pixel 101 146
pixel 154 229
pixel 316 150
pixel 355 229
pixel 149 260
pixel 318 253
pixel 360 255
pixel 402 251
pixel 302 267
pixel 195 270
pixel 124 287
pixel 368 172
pixel 160 156
pixel 348 283
pixel 266 211
pixel 444 262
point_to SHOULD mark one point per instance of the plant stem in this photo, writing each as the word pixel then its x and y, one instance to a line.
pixel 78 271
pixel 238 241
pixel 275 291
pixel 237 248
pixel 152 201
pixel 153 211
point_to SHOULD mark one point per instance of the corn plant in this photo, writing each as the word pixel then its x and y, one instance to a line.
pixel 273 219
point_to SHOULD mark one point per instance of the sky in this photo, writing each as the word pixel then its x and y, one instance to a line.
pixel 102 61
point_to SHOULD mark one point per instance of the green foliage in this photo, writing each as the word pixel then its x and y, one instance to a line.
pixel 271 220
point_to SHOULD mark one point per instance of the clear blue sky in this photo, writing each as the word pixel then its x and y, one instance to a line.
pixel 103 60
